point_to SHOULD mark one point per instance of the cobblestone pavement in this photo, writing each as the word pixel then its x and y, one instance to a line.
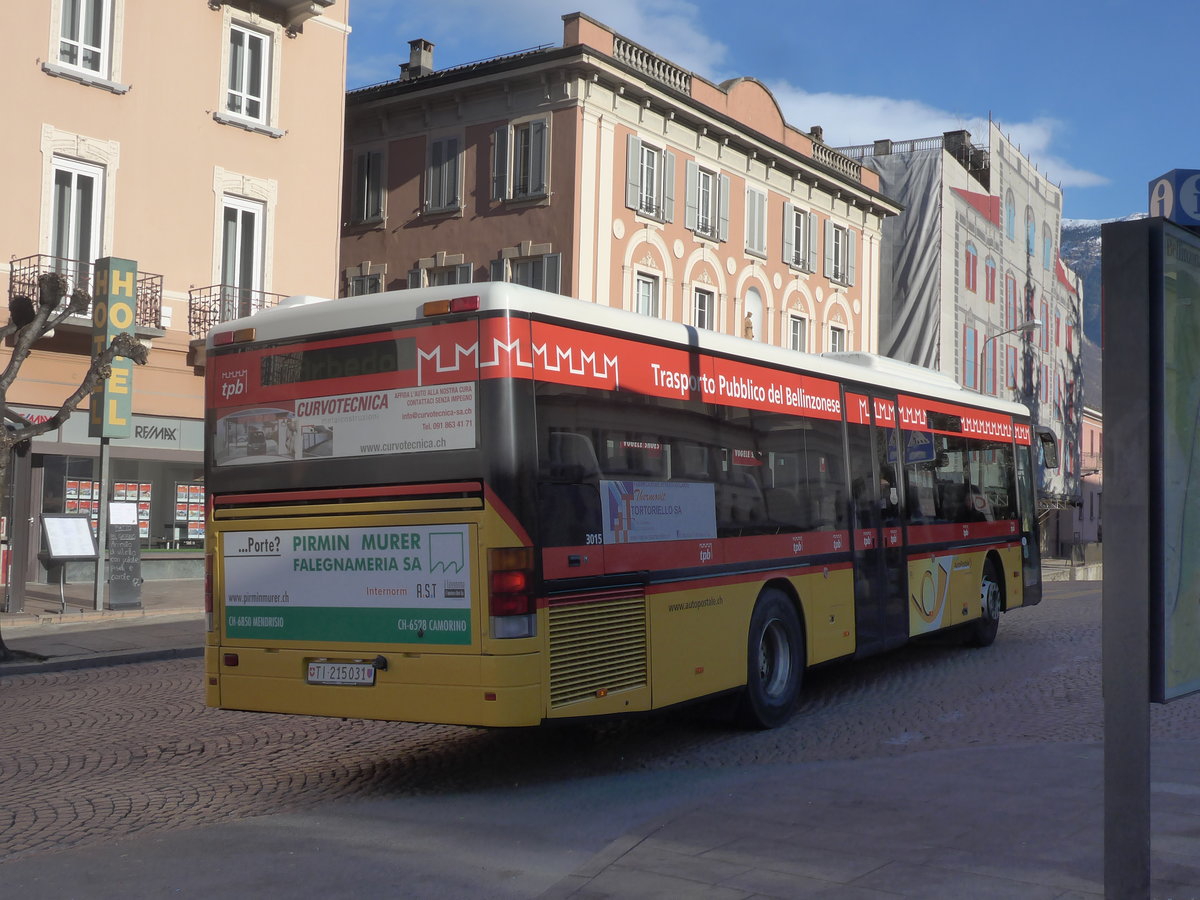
pixel 91 755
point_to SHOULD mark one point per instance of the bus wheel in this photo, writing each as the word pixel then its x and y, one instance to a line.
pixel 991 598
pixel 775 662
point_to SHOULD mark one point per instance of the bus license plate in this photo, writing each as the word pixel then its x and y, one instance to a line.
pixel 341 673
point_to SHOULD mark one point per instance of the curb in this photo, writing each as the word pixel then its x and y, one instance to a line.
pixel 91 660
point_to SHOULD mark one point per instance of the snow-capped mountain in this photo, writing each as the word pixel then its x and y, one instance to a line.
pixel 1080 249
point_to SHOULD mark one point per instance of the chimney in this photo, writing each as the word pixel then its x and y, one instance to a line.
pixel 420 60
pixel 818 134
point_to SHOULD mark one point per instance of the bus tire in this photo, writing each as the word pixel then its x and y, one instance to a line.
pixel 982 632
pixel 775 662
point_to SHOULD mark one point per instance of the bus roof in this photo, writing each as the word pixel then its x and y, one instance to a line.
pixel 306 315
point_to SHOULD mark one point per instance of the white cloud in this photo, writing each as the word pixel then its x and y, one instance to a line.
pixel 673 28
pixel 849 119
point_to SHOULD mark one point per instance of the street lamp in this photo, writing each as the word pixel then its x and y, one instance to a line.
pixel 1025 328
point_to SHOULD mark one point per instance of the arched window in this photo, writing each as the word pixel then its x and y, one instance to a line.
pixel 971 269
pixel 989 286
pixel 1047 248
pixel 1010 215
pixel 1030 231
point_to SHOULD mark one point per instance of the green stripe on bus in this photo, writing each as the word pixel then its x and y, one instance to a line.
pixel 356 625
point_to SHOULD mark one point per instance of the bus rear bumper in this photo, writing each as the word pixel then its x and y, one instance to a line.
pixel 451 689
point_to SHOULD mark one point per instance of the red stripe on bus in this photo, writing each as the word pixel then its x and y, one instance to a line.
pixel 957 532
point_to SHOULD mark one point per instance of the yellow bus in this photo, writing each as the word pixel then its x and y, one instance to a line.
pixel 488 505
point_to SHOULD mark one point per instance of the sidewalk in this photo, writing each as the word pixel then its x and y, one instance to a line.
pixel 169 624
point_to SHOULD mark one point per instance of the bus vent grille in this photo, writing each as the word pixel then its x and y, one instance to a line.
pixel 596 647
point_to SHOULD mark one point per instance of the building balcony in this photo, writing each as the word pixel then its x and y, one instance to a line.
pixel 217 303
pixel 23 281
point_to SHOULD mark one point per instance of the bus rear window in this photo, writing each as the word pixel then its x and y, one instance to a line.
pixel 339 361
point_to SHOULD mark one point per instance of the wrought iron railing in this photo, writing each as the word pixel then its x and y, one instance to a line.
pixel 24 273
pixel 209 306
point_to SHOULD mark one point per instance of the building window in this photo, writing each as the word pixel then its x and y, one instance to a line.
pixel 1010 216
pixel 367 192
pixel 1070 339
pixel 798 333
pixel 366 284
pixel 1047 248
pixel 76 224
pixel 242 227
pixel 85 35
pixel 837 339
pixel 1044 337
pixel 442 176
pixel 1045 383
pixel 650 180
pixel 541 271
pixel 707 208
pixel 1010 366
pixel 839 254
pixel 799 238
pixel 646 299
pixel 989 367
pixel 971 269
pixel 970 358
pixel 989 274
pixel 1010 301
pixel 520 160
pixel 454 273
pixel 248 89
pixel 704 308
pixel 1058 329
pixel 756 222
pixel 1030 231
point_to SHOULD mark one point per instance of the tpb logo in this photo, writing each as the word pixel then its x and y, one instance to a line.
pixel 234 384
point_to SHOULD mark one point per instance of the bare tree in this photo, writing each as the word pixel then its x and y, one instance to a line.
pixel 29 321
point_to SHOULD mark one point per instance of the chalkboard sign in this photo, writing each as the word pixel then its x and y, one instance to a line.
pixel 68 537
pixel 124 558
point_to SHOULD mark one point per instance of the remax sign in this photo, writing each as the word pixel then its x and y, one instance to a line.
pixel 1176 197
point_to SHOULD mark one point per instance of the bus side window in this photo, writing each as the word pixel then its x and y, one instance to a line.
pixel 569 491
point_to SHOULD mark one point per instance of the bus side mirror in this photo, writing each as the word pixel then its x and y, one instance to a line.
pixel 1049 448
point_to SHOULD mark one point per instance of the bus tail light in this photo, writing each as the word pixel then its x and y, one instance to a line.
pixel 512 607
pixel 457 305
pixel 208 591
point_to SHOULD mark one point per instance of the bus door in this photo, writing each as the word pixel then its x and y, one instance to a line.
pixel 880 577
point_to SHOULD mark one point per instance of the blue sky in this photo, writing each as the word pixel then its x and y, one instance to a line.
pixel 1099 94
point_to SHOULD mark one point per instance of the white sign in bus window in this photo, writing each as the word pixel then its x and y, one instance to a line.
pixel 639 511
pixel 370 423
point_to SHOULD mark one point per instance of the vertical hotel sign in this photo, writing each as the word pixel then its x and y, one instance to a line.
pixel 113 311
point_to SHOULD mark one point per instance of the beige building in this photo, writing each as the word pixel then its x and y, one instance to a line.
pixel 203 141
pixel 602 171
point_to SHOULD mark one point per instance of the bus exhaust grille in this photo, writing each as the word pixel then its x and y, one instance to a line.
pixel 596 646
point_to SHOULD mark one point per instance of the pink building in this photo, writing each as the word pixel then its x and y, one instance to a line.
pixel 203 141
pixel 600 170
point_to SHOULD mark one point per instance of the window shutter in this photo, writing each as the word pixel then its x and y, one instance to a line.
pixel 464 273
pixel 690 200
pixel 810 259
pixel 551 272
pixel 723 210
pixel 500 163
pixel 633 171
pixel 414 278
pixel 434 174
pixel 828 249
pixel 497 270
pixel 452 194
pixel 789 234
pixel 538 153
pixel 668 188
pixel 851 258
